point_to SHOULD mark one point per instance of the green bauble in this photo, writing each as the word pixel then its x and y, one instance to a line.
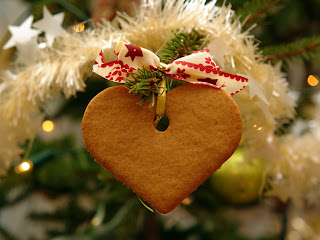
pixel 239 181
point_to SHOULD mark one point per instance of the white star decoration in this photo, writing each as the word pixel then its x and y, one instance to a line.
pixel 50 24
pixel 22 35
pixel 255 90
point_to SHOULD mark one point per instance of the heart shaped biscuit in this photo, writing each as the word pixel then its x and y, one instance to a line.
pixel 163 168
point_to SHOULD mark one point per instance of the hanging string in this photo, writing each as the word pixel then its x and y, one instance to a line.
pixel 161 102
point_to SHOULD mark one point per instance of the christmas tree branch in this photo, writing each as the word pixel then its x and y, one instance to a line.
pixel 294 53
pixel 306 48
pixel 257 10
pixel 73 9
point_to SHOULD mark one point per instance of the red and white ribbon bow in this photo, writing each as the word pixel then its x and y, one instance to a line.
pixel 196 68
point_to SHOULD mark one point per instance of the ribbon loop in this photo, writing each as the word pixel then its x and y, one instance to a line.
pixel 196 68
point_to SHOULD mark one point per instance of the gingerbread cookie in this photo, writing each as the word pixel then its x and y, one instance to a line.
pixel 163 168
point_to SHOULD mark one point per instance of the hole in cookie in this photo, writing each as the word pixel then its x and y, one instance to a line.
pixel 163 124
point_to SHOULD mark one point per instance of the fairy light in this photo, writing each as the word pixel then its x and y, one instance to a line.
pixel 96 221
pixel 78 27
pixel 47 126
pixel 24 166
pixel 259 128
pixel 42 45
pixel 187 201
pixel 313 80
pixel 298 224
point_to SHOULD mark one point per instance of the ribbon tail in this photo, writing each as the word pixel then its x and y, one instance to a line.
pixel 114 71
pixel 129 59
pixel 233 83
pixel 99 61
pixel 192 81
pixel 199 68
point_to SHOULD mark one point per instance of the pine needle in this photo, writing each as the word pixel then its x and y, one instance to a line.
pixel 145 83
pixel 253 11
pixel 305 49
pixel 181 45
pixel 145 205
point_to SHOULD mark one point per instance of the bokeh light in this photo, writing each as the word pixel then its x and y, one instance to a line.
pixel 313 80
pixel 78 27
pixel 47 126
pixel 187 201
pixel 257 127
pixel 24 166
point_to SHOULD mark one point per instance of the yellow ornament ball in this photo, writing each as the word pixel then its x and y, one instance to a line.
pixel 239 180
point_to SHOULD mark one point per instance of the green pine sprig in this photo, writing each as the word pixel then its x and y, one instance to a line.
pixel 305 49
pixel 182 44
pixel 146 83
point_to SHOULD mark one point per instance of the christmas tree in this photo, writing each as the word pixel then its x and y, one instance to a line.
pixel 50 186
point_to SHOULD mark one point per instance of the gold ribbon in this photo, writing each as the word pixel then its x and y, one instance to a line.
pixel 161 102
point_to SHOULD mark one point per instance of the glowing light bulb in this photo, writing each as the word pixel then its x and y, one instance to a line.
pixel 24 166
pixel 96 221
pixel 47 126
pixel 256 126
pixel 313 80
pixel 42 45
pixel 187 201
pixel 78 27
